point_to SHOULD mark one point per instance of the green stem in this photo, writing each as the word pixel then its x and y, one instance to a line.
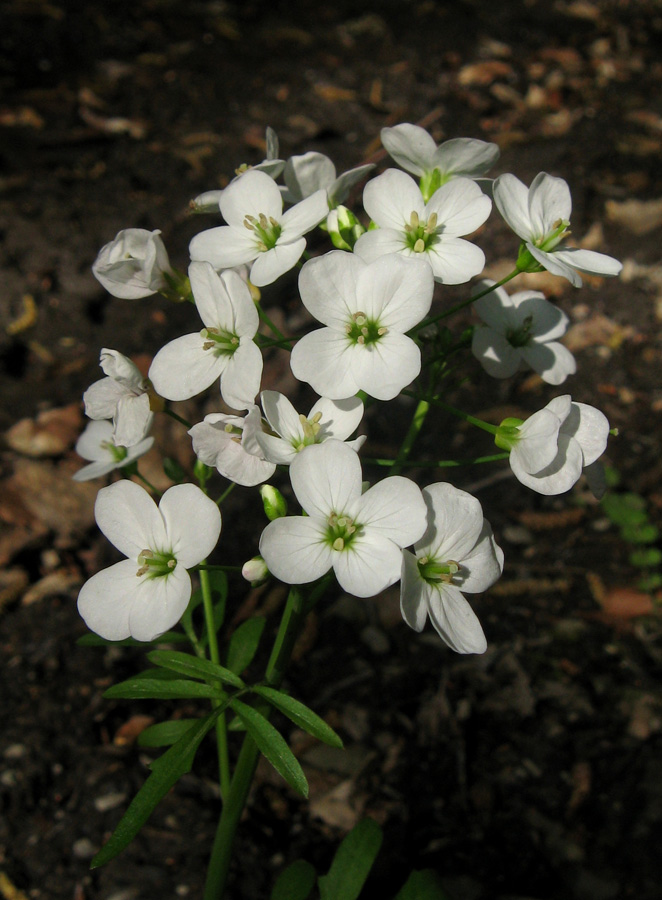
pixel 273 328
pixel 437 463
pixel 414 430
pixel 221 729
pixel 235 800
pixel 493 429
pixel 173 415
pixel 467 302
pixel 226 492
pixel 149 484
pixel 203 567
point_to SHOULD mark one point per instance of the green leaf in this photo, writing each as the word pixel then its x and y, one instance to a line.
pixel 185 664
pixel 244 643
pixel 166 770
pixel 646 557
pixel 295 882
pixel 640 534
pixel 423 885
pixel 164 734
pixel 93 640
pixel 272 745
pixel 300 714
pixel 142 687
pixel 352 862
pixel 650 582
pixel 218 581
pixel 187 619
pixel 625 509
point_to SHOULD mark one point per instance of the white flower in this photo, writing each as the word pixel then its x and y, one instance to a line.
pixel 540 216
pixel 360 535
pixel 146 594
pixel 328 419
pixel 271 164
pixel 258 231
pixel 457 553
pixel 97 444
pixel 229 444
pixel 550 449
pixel 224 348
pixel 133 265
pixel 521 330
pixel 123 397
pixel 366 310
pixel 430 231
pixel 414 149
pixel 312 171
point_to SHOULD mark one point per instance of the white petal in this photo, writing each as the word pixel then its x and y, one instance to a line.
pixel 394 508
pixel 455 261
pixel 295 549
pixel 455 621
pixel 548 321
pixel 552 361
pixel 340 418
pixel 537 446
pixel 378 243
pixel 391 198
pixel 159 603
pixel 183 369
pixel 241 378
pixel 557 477
pixel 549 202
pixel 589 261
pixel 323 359
pixel 511 197
pixel 327 478
pixel 368 566
pixel 384 368
pixel 89 443
pixel 270 265
pixel 192 523
pixel 303 217
pixel 275 449
pixel 483 565
pixel 224 247
pixel 341 187
pixel 308 173
pixel 410 146
pixel 465 156
pixel 105 600
pixel 413 593
pixel 95 470
pixel 253 194
pixel 496 309
pixel 281 415
pixel 460 205
pixel 396 292
pixel 121 369
pixel 327 286
pixel 555 264
pixel 245 319
pixel 133 419
pixel 590 428
pixel 496 355
pixel 101 398
pixel 455 521
pixel 128 517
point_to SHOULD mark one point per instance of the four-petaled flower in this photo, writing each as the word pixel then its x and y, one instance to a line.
pixel 521 330
pixel 366 310
pixel 224 348
pixel 540 216
pixel 146 594
pixel 457 553
pixel 550 449
pixel 229 444
pixel 258 231
pixel 96 443
pixel 122 396
pixel 360 536
pixel 134 265
pixel 410 227
pixel 312 171
pixel 414 149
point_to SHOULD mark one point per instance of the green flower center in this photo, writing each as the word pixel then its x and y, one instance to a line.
pixel 365 331
pixel 560 230
pixel 431 182
pixel 436 572
pixel 266 230
pixel 420 236
pixel 311 429
pixel 520 337
pixel 508 434
pixel 118 453
pixel 222 343
pixel 342 531
pixel 154 563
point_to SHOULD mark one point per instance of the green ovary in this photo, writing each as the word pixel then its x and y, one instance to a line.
pixel 342 531
pixel 154 563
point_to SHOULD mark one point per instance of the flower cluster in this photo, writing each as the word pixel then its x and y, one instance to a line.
pixel 377 336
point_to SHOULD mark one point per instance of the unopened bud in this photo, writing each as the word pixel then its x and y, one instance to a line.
pixel 255 571
pixel 273 501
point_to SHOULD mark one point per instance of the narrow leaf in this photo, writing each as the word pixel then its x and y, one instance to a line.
pixel 272 745
pixel 166 770
pixel 423 885
pixel 140 688
pixel 295 882
pixel 300 714
pixel 164 734
pixel 352 862
pixel 194 667
pixel 244 643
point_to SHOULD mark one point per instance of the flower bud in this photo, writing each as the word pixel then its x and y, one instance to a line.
pixel 344 228
pixel 275 506
pixel 255 571
pixel 133 265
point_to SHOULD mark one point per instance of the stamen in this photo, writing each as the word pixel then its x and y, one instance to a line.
pixel 431 224
pixel 419 246
pixel 382 330
pixel 414 221
pixel 339 544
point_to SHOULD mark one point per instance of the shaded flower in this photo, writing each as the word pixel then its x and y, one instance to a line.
pixel 456 554
pixel 145 595
pixel 96 443
pixel 133 265
pixel 312 171
pixel 229 444
pixel 122 396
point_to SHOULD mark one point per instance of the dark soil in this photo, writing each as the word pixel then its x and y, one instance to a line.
pixel 530 772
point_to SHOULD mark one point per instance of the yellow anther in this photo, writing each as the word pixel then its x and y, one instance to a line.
pixel 419 246
pixel 342 521
pixel 382 330
pixel 207 345
pixel 360 339
pixel 432 223
pixel 264 222
pixel 414 221
pixel 171 563
pixel 228 428
pixel 273 222
pixel 360 318
pixel 316 418
pixel 339 544
pixel 262 247
pixel 364 331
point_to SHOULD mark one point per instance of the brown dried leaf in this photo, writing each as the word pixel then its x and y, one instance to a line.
pixel 61 582
pixel 127 733
pixel 638 216
pixel 484 72
pixel 626 603
pixel 50 434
